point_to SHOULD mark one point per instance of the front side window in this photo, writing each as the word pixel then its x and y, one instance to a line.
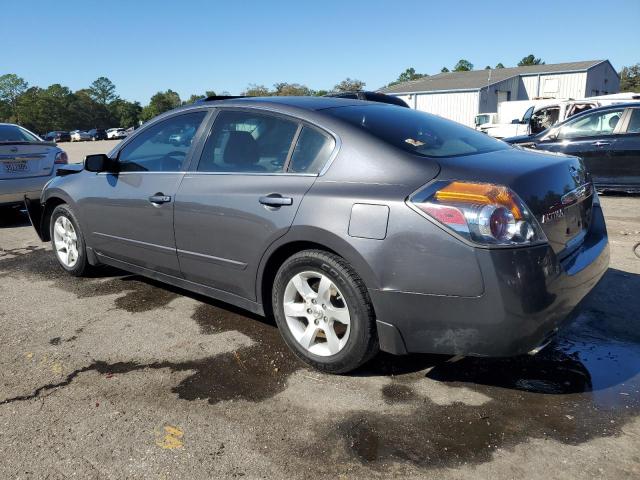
pixel 591 125
pixel 417 132
pixel 312 151
pixel 247 142
pixel 162 147
pixel 544 118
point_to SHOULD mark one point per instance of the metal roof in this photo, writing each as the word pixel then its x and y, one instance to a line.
pixel 477 79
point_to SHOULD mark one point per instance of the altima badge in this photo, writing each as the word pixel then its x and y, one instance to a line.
pixel 551 216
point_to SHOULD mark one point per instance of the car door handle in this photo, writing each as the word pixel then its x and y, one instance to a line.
pixel 275 200
pixel 600 144
pixel 159 198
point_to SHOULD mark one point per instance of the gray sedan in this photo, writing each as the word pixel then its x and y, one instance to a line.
pixel 359 226
pixel 26 164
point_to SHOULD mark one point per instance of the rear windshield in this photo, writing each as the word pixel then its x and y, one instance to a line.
pixel 13 133
pixel 418 132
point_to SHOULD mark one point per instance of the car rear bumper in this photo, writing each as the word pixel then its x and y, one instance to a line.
pixel 528 295
pixel 14 191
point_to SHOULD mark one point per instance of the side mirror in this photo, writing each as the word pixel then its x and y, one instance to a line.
pixel 515 121
pixel 98 162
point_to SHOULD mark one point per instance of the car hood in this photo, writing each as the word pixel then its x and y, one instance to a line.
pixel 519 139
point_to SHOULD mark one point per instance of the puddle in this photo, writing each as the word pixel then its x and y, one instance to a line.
pixel 583 386
pixel 139 294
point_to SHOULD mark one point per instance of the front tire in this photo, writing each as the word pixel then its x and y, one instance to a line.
pixel 323 311
pixel 68 241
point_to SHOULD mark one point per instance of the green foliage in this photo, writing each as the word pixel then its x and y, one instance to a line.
pixel 124 113
pixel 290 89
pixel 463 66
pixel 444 70
pixel 488 67
pixel 630 78
pixel 408 75
pixel 161 102
pixel 254 90
pixel 530 60
pixel 11 87
pixel 499 65
pixel 103 91
pixel 349 85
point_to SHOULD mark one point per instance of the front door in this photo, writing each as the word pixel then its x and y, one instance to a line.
pixel 130 211
pixel 254 170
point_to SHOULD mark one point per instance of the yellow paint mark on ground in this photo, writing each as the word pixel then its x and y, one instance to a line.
pixel 57 368
pixel 170 438
pixel 29 355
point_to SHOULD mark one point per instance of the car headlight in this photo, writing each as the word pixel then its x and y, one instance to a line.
pixel 483 213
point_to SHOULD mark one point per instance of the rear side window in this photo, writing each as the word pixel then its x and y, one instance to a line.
pixel 417 132
pixel 162 147
pixel 312 151
pixel 247 142
pixel 13 133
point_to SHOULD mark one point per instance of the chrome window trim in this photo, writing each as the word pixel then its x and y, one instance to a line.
pixel 288 174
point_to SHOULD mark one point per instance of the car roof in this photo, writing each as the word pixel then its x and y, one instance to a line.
pixel 305 103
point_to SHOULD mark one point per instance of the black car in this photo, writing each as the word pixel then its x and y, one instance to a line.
pixel 98 134
pixel 58 136
pixel 607 139
pixel 371 96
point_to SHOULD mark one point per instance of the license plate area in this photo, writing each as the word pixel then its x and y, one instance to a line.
pixel 18 166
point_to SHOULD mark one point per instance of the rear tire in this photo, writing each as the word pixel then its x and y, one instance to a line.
pixel 68 241
pixel 323 311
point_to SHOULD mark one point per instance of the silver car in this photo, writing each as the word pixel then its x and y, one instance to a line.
pixel 26 164
pixel 359 226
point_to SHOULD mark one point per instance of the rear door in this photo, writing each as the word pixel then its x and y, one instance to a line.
pixel 129 213
pixel 243 194
pixel 625 154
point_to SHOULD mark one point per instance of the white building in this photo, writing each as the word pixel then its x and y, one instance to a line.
pixel 460 96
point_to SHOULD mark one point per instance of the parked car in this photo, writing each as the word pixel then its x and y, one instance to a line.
pixel 79 136
pixel 57 136
pixel 26 164
pixel 361 226
pixel 97 134
pixel 116 133
pixel 371 96
pixel 606 138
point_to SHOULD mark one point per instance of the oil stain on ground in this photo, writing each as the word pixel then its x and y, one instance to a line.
pixel 139 295
pixel 585 385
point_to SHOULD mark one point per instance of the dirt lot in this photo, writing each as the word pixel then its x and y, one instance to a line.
pixel 119 377
pixel 78 150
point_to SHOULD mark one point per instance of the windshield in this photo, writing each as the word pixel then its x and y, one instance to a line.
pixel 417 132
pixel 13 133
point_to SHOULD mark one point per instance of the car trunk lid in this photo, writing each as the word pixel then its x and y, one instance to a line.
pixel 25 159
pixel 556 188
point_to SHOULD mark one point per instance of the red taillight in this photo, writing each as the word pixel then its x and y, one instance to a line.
pixel 61 158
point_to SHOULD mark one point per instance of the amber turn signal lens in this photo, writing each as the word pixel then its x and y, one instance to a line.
pixel 480 193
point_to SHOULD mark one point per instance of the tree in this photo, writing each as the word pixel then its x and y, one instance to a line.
pixel 408 75
pixel 349 85
pixel 161 102
pixel 630 78
pixel 499 65
pixel 488 67
pixel 291 89
pixel 463 66
pixel 194 98
pixel 444 70
pixel 530 60
pixel 11 87
pixel 210 93
pixel 103 91
pixel 320 93
pixel 124 113
pixel 254 90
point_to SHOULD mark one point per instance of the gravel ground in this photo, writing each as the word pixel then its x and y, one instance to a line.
pixel 120 377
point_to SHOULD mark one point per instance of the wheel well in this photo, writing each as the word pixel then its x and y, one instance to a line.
pixel 49 206
pixel 276 259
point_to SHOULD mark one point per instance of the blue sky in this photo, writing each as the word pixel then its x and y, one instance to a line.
pixel 192 46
